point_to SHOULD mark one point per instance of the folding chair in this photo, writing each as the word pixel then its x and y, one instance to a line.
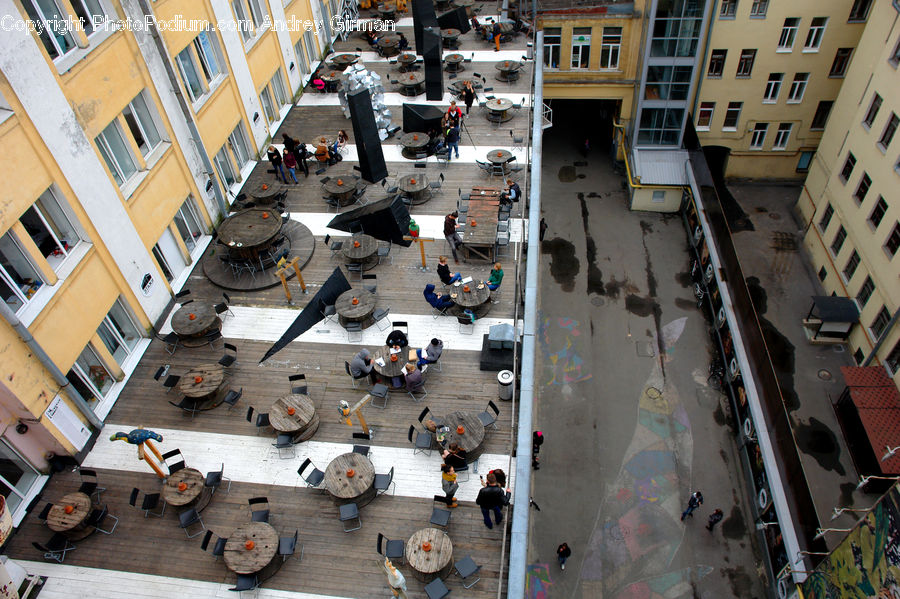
pixel 381 315
pixel 518 141
pixel 349 512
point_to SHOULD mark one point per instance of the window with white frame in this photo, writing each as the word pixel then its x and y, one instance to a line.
pixel 302 62
pixel 139 120
pixel 865 291
pixel 610 47
pixel 847 170
pixel 732 115
pixel 250 17
pixel 581 47
pixel 877 214
pixel 309 41
pixel 773 87
pixel 19 278
pixel 841 62
pixel 815 34
pixel 851 266
pixel 895 55
pixel 865 182
pixel 759 8
pixel 798 88
pixel 889 130
pixel 759 136
pixel 117 153
pixel 893 359
pixel 705 114
pixel 823 109
pixel 826 217
pixel 788 34
pixel 268 105
pixel 118 332
pixel 52 228
pixel 782 136
pixel 838 242
pixel 745 63
pixel 892 244
pixel 716 63
pixel 552 45
pixel 53 24
pixel 880 322
pixel 727 9
pixel 189 224
pixel 859 11
pixel 90 377
pixel 237 141
pixel 201 65
pixel 873 111
pixel 278 89
pixel 224 167
pixel 141 124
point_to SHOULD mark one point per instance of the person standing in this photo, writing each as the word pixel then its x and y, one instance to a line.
pixel 495 29
pixel 452 141
pixel 468 95
pixel 491 499
pixel 537 439
pixel 290 163
pixel 714 518
pixel 302 154
pixel 693 503
pixel 275 159
pixel 543 229
pixel 449 484
pixel 451 235
pixel 562 554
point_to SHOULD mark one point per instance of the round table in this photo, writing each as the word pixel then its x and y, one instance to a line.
pixel 241 560
pixel 194 482
pixel 472 298
pixel 361 249
pixel 450 37
pixel 428 565
pixel 205 319
pixel 206 391
pixel 331 79
pixel 411 82
pixel 391 371
pixel 386 12
pixel 359 488
pixel 467 4
pixel 415 187
pixel 454 62
pixel 72 524
pixel 342 61
pixel 388 45
pixel 360 312
pixel 414 142
pixel 509 70
pixel 499 110
pixel 303 423
pixel 406 60
pixel 472 439
pixel 249 232
pixel 263 190
pixel 341 189
pixel 498 156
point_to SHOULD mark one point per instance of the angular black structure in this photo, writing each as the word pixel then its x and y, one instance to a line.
pixel 434 73
pixel 455 19
pixel 371 159
pixel 421 117
pixel 387 220
pixel 423 16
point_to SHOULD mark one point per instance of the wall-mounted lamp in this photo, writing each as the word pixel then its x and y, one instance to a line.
pixel 890 452
pixel 209 184
pixel 864 480
pixel 836 512
pixel 21 428
pixel 820 532
pixel 291 67
pixel 255 116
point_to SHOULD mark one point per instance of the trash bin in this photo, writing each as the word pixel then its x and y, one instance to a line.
pixel 505 380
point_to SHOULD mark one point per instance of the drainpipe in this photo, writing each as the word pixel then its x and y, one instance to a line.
pixel 54 370
pixel 182 103
pixel 884 335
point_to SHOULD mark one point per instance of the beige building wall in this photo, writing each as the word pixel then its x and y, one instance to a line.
pixel 760 26
pixel 832 199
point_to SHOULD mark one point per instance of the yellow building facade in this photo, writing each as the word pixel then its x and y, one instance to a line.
pixel 125 134
pixel 850 213
pixel 771 72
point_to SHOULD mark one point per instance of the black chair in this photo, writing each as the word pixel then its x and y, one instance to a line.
pixel 232 397
pixel 171 340
pixel 56 548
pixel 229 357
pixel 285 441
pixel 151 500
pixel 349 512
pixel 212 337
pixel 314 478
pixel 422 442
pixel 328 313
pixel 223 307
pixel 159 373
pixel 436 589
pixel 383 482
pixel 353 327
pixel 380 316
pixel 353 379
pixel 45 512
pixel 488 419
pixel 89 483
pixel 402 324
pixel 215 478
pixel 188 405
pixel 176 466
pixel 259 509
pixel 287 546
pixel 390 549
pixel 183 293
pixel 245 582
pixel 465 568
pixel 379 391
pixel 440 517
pixel 334 246
pixel 188 518
pixel 362 450
pixel 218 549
pixel 384 251
pixel 302 388
pixel 97 517
pixel 370 283
pixel 262 419
pixel 171 382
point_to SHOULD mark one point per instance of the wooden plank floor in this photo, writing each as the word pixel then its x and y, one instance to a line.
pixel 334 563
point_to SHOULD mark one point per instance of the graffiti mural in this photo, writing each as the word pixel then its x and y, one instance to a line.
pixel 566 366
pixel 537 581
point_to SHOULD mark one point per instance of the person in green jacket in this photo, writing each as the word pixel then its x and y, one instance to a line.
pixel 496 277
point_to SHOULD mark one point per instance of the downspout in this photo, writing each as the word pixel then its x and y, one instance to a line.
pixel 47 363
pixel 631 181
pixel 518 553
pixel 182 103
pixel 881 338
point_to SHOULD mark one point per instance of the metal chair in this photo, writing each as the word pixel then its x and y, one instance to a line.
pixel 188 405
pixel 223 307
pixel 285 441
pixel 171 382
pixel 229 358
pixel 212 337
pixel 287 546
pixel 383 482
pixel 245 582
pixel 420 388
pixel 439 516
pixel 218 549
pixel 466 568
pixel 381 315
pixel 56 548
pixel 151 500
pixel 518 141
pixel 298 389
pixel 349 512
pixel 174 466
pixel 353 379
pixel 437 186
pixel 379 391
pixel 465 324
pixel 370 283
pixel 45 512
pixel 357 268
pixel 422 443
pixel 436 589
pixel 188 518
pixel 315 476
pixel 262 419
pixel 334 246
pixel 171 340
pixel 215 478
pixel 90 483
pixel 353 328
pixel 182 293
pixel 502 241
pixel 96 518
pixel 232 397
pixel 328 313
pixel 259 509
pixel 362 450
pixel 488 419
pixel 391 549
pixel 385 251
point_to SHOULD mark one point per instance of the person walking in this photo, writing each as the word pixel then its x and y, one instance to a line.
pixel 449 484
pixel 468 95
pixel 451 140
pixel 562 554
pixel 714 518
pixel 290 163
pixel 491 498
pixel 275 159
pixel 451 235
pixel 693 503
pixel 537 439
pixel 543 229
pixel 302 154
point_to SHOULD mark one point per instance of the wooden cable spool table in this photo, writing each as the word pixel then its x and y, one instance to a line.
pixel 360 312
pixel 509 70
pixel 263 190
pixel 191 494
pixel 392 370
pixel 206 389
pixel 388 45
pixel 204 321
pixel 361 249
pixel 498 156
pixel 415 186
pixel 499 110
pixel 406 60
pixel 475 299
pixel 302 423
pixel 411 83
pixel 341 189
pixel 414 142
pixel 454 62
pixel 249 233
pixel 450 37
pixel 243 560
pixel 342 61
pixel 72 523
pixel 359 488
pixel 434 563
pixel 472 437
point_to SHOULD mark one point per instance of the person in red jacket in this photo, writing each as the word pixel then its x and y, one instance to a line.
pixel 290 163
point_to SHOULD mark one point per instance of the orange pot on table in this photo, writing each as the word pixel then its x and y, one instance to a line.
pixel 182 487
pixel 69 509
pixel 460 429
pixel 192 316
pixel 291 411
pixel 426 546
pixel 340 181
pixel 265 187
pixel 466 288
pixel 249 545
pixel 354 301
pixel 265 215
pixel 356 244
pixel 198 380
pixel 393 357
pixel 351 473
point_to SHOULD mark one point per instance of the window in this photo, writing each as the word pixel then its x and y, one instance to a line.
pixel 758 8
pixel 865 182
pixel 660 126
pixel 278 88
pixel 727 9
pixel 189 224
pixel 860 10
pixel 798 88
pixel 893 359
pixel 880 322
pixel 309 40
pixel 732 115
pixel 859 356
pixel 873 111
pixel 826 218
pixel 878 212
pixel 848 167
pixel 704 116
pixel 865 291
pixel 552 41
pixel 225 168
pixel 581 47
pixel 838 242
pixel 782 136
pixel 117 153
pixel 301 58
pixel 804 161
pixel 610 46
pixel 249 16
pixel 850 267
pixel 745 64
pixel 19 279
pixel 51 229
pixel 788 34
pixel 895 55
pixel 268 106
pixel 893 241
pixel 889 130
pixel 823 274
pixel 815 34
pixel 676 28
pixel 841 60
pixel 118 332
pixel 821 116
pixel 716 63
pixel 200 65
pixel 773 87
pixel 668 82
pixel 90 376
pixel 141 124
pixel 759 136
pixel 238 143
pixel 53 24
pixel 659 196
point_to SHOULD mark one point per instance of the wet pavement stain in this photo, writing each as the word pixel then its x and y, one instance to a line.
pixel 733 526
pixel 640 306
pixel 684 279
pixel 686 304
pixel 563 263
pixel 723 455
pixel 846 499
pixel 740 581
pixel 594 194
pixel 780 348
pixel 820 442
pixel 566 174
pixel 719 415
pixel 647 229
pixel 595 277
pixel 614 288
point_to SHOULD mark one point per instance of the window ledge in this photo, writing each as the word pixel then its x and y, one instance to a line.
pixel 770 101
pixel 830 76
pixel 730 129
pixel 152 158
pixel 783 50
pixel 794 101
pixel 214 85
pixel 699 128
pixel 866 126
pixel 774 149
pixel 65 62
pixel 881 147
pixel 708 76
pixel 76 255
pixel 260 32
pixel 5 114
pixel 810 51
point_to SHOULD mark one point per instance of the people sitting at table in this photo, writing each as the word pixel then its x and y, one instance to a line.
pixel 275 159
pixel 362 365
pixel 415 380
pixel 318 83
pixel 455 456
pixel 512 194
pixel 431 353
pixel 477 26
pixel 371 36
pixel 496 277
pixel 443 271
pixel 397 340
pixel 436 300
pixel 403 43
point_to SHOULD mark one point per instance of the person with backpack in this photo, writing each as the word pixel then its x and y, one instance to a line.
pixel 492 498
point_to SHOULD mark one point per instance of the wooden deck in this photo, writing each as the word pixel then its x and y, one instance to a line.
pixel 334 563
